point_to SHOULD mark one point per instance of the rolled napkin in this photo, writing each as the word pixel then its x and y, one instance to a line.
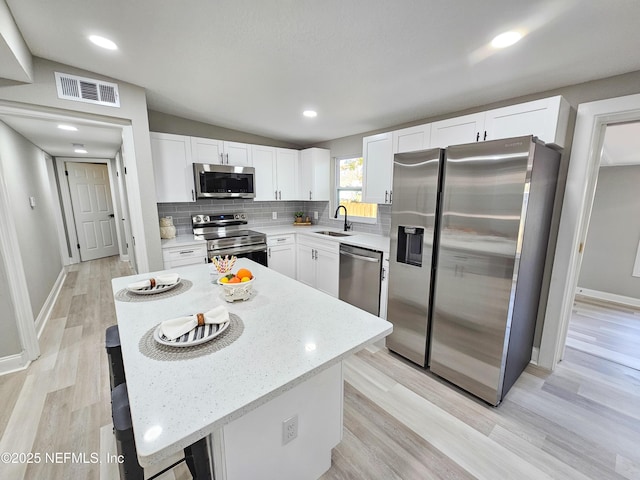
pixel 177 327
pixel 166 279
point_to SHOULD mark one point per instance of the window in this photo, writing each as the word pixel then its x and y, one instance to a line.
pixel 349 190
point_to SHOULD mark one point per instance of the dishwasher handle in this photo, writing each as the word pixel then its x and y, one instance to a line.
pixel 360 257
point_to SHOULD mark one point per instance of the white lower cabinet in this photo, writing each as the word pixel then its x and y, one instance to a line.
pixel 281 254
pixel 318 264
pixel 182 255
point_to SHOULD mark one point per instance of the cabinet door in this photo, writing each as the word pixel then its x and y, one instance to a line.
pixel 172 167
pixel 547 119
pixel 287 173
pixel 412 139
pixel 314 170
pixel 377 151
pixel 237 154
pixel 457 131
pixel 282 258
pixel 206 150
pixel 327 272
pixel 306 265
pixel 264 162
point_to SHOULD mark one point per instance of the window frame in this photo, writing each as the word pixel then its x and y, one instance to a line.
pixel 337 189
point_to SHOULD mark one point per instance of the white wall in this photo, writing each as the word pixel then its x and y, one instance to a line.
pixel 133 111
pixel 9 338
pixel 614 231
pixel 24 169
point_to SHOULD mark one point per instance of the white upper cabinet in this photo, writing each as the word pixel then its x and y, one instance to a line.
pixel 172 167
pixel 377 151
pixel 457 131
pixel 412 139
pixel 314 174
pixel 547 119
pixel 264 163
pixel 208 150
pixel 276 173
pixel 287 173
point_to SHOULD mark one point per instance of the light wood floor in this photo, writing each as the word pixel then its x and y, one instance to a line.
pixel 582 421
pixel 606 330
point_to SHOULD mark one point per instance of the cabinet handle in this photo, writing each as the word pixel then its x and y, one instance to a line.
pixel 221 158
pixel 386 195
pixel 276 194
pixel 226 155
pixel 391 196
pixel 312 255
pixel 477 136
pixel 485 135
pixel 269 253
pixel 186 251
pixel 384 273
pixel 280 195
pixel 280 239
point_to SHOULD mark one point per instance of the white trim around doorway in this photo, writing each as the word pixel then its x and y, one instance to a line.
pixel 591 122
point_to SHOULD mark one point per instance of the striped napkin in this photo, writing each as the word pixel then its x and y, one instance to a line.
pixel 166 279
pixel 177 327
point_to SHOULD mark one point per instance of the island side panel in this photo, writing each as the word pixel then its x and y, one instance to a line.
pixel 252 446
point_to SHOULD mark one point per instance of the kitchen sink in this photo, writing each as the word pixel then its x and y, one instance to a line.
pixel 333 234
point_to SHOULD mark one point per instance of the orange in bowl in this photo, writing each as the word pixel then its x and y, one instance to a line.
pixel 243 272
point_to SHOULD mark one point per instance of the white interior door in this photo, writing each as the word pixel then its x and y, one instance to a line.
pixel 92 210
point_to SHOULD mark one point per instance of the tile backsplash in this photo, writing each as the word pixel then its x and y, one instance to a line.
pixel 260 214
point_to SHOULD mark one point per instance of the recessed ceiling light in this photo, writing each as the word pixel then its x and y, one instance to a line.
pixel 506 39
pixel 103 42
pixel 310 113
pixel 69 128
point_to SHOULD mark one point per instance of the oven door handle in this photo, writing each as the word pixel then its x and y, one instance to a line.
pixel 238 250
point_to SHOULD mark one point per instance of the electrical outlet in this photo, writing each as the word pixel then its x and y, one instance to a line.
pixel 315 215
pixel 274 215
pixel 289 429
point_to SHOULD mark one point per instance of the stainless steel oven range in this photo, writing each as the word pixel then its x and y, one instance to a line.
pixel 226 234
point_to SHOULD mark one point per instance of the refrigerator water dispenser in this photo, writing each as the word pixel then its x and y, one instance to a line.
pixel 410 245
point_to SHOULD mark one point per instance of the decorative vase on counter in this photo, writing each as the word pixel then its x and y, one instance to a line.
pixel 167 229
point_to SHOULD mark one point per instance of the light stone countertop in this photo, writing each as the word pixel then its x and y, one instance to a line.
pixel 181 241
pixel 175 403
pixel 358 239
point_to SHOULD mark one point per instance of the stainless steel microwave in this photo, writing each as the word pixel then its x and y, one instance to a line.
pixel 224 181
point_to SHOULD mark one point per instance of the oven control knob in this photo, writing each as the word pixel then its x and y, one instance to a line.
pixel 198 218
pixel 205 218
pixel 242 216
pixel 236 216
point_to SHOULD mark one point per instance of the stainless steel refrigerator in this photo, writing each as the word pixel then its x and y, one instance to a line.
pixel 497 203
pixel 417 179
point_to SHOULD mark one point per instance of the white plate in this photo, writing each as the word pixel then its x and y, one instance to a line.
pixel 195 337
pixel 153 290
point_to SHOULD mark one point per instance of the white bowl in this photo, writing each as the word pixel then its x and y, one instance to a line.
pixel 236 291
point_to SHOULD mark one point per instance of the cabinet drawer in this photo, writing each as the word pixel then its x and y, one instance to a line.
pixel 188 255
pixel 275 240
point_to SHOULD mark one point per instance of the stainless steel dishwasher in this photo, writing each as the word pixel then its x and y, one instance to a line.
pixel 360 277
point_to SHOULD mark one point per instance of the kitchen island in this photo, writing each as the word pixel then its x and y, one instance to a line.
pixel 285 366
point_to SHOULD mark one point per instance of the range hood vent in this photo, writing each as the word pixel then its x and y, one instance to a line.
pixel 81 89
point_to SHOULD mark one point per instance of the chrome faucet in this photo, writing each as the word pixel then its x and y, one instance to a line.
pixel 347 226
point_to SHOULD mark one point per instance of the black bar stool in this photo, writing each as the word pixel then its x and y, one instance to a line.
pixel 114 354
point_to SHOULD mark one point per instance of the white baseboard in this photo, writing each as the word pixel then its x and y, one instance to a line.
pixel 124 257
pixel 45 311
pixel 609 297
pixel 14 363
pixel 535 354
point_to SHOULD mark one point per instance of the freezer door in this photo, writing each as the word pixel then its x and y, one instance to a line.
pixel 413 219
pixel 484 196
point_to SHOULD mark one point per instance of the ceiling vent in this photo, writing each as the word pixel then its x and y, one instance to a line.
pixel 81 89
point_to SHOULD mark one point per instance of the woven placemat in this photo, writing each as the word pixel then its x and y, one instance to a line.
pixel 125 295
pixel 156 351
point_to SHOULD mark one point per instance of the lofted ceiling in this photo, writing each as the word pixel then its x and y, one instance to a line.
pixel 255 65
